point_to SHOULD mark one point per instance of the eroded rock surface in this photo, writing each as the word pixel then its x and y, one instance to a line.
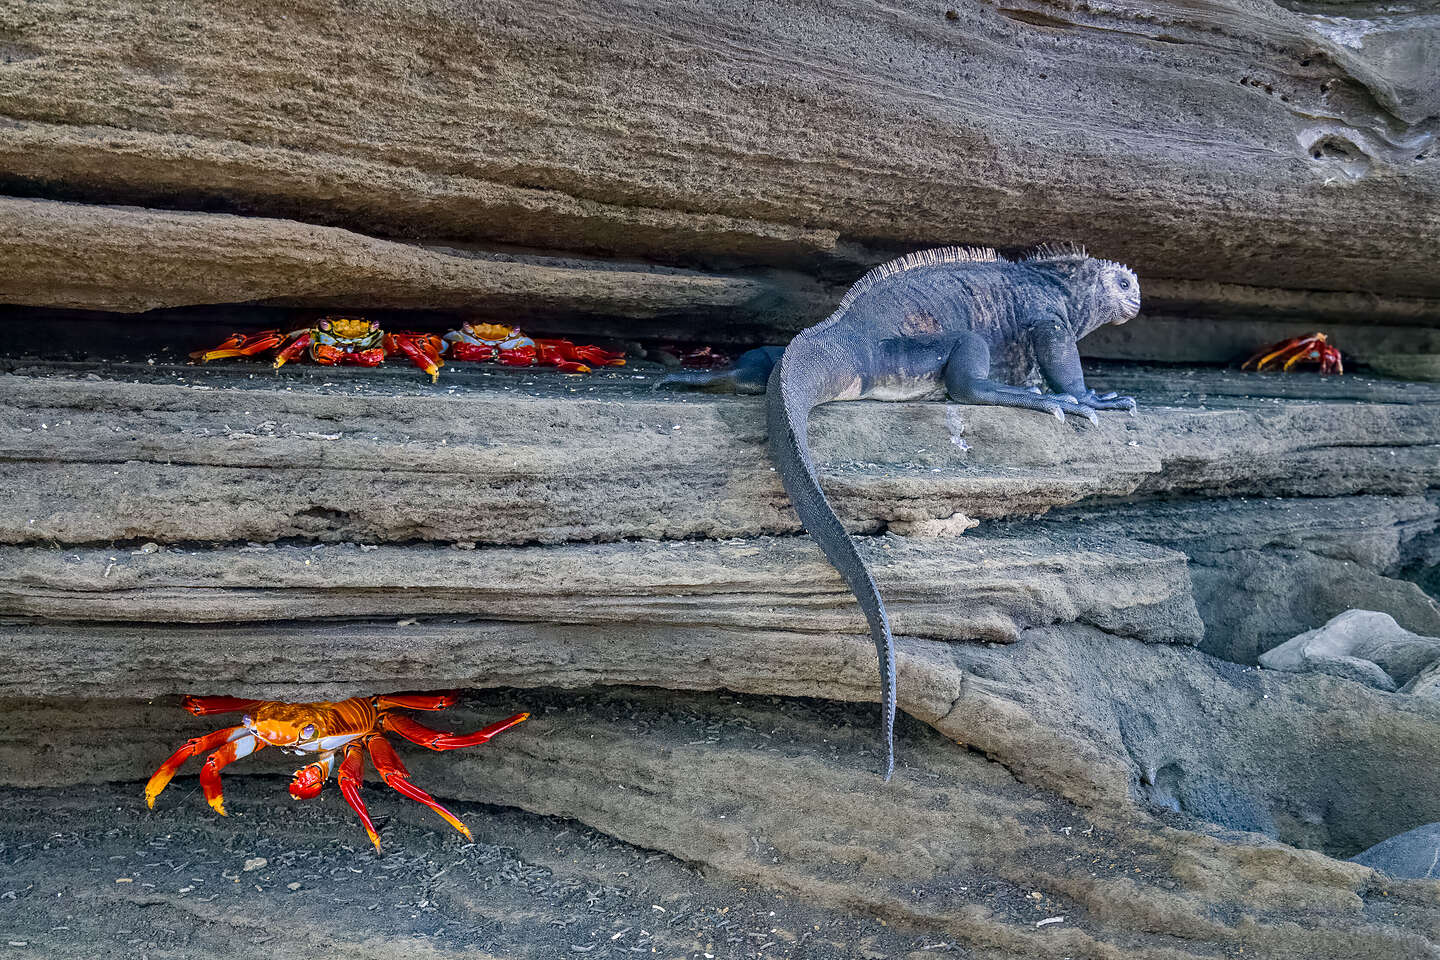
pixel 624 564
pixel 1264 570
pixel 137 260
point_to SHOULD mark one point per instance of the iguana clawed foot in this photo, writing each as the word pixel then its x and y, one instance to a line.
pixel 1108 401
pixel 1085 405
pixel 1059 404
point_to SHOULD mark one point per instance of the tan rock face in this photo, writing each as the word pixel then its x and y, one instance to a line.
pixel 136 260
pixel 763 134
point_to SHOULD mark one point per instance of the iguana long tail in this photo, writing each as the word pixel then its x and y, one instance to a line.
pixel 696 378
pixel 796 387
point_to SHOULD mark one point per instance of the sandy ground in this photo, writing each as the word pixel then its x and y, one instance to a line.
pixel 89 872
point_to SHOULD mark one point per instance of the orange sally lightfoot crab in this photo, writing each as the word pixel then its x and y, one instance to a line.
pixel 344 730
pixel 1315 348
pixel 335 341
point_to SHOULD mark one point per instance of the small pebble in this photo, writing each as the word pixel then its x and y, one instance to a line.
pixel 255 863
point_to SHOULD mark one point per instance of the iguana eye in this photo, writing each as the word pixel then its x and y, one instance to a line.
pixel 1124 284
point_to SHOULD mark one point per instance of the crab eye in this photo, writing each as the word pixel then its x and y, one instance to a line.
pixel 324 325
pixel 308 733
pixel 247 721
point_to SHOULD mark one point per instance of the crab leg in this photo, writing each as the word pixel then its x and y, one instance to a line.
pixel 436 740
pixel 1309 353
pixel 352 768
pixel 204 706
pixel 417 701
pixel 240 345
pixel 191 748
pixel 296 347
pixel 311 777
pixel 238 747
pixel 420 349
pixel 393 772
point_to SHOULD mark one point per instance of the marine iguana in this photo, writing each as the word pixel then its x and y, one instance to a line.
pixel 958 320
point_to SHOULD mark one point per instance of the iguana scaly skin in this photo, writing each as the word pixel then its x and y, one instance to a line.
pixel 958 319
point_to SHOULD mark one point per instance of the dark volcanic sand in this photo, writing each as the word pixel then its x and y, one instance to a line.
pixel 89 872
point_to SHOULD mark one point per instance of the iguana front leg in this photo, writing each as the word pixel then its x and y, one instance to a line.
pixel 1060 364
pixel 967 380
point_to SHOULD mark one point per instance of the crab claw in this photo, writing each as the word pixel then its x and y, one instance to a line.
pixel 311 777
pixel 423 350
pixel 293 350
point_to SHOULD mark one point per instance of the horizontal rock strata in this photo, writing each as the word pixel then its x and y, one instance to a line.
pixel 754 133
pixel 123 259
pixel 82 257
pixel 939 588
pixel 1101 719
pixel 599 459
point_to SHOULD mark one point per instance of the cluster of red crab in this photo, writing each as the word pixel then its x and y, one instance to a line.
pixel 355 341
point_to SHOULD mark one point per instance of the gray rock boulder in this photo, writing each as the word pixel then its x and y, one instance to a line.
pixel 1362 645
pixel 1413 855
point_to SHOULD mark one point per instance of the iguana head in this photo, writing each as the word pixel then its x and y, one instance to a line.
pixel 1101 291
pixel 1114 294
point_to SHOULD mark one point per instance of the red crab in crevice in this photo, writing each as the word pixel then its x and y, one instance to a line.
pixel 1315 348
pixel 497 343
pixel 335 341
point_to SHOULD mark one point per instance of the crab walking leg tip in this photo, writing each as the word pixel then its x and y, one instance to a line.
pixel 155 786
